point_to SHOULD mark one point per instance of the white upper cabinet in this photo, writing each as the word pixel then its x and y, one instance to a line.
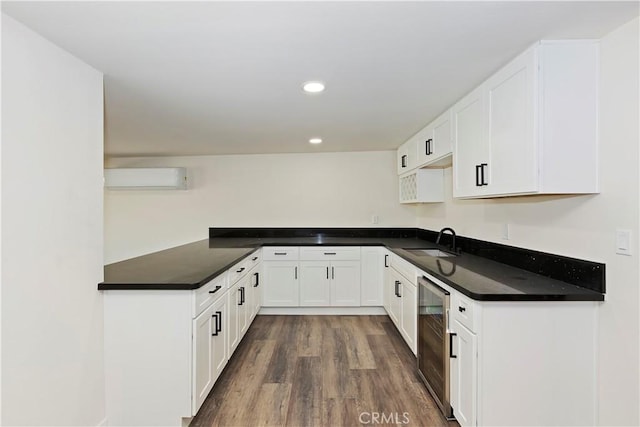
pixel 531 128
pixel 469 145
pixel 407 160
pixel 431 146
pixel 435 142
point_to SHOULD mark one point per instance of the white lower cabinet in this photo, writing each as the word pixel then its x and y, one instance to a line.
pixel 345 283
pixel 401 302
pixel 254 291
pixel 393 303
pixel 243 306
pixel 387 281
pixel 523 363
pixel 210 354
pixel 409 314
pixel 402 306
pixel 464 375
pixel 315 277
pixel 220 353
pixel 325 284
pixel 372 275
pixel 239 311
pixel 203 366
pixel 165 349
pixel 325 276
pixel 280 284
pixel 233 337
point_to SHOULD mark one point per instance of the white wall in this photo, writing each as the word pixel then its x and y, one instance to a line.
pixel 271 190
pixel 584 226
pixel 52 325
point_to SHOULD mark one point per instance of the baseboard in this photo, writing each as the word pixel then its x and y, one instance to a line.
pixel 323 311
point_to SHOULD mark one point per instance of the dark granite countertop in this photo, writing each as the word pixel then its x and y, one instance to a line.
pixel 191 266
pixel 184 267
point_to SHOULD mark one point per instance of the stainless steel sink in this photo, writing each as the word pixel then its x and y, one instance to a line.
pixel 430 252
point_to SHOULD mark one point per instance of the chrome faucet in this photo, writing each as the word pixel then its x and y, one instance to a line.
pixel 453 238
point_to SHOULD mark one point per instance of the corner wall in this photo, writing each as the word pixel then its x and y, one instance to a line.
pixel 267 190
pixel 584 226
pixel 52 325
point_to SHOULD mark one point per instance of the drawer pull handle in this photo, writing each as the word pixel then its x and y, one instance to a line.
pixel 257 275
pixel 254 258
pixel 279 253
pixel 240 271
pixel 482 181
pixel 461 309
pixel 215 290
pixel 451 335
pixel 241 289
pixel 329 253
pixel 386 257
pixel 215 329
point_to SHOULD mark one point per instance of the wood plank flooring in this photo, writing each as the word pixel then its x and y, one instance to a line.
pixel 320 371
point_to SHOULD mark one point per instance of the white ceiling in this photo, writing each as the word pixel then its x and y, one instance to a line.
pixel 186 78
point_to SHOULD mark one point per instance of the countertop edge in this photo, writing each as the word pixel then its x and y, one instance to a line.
pixel 102 286
pixel 589 295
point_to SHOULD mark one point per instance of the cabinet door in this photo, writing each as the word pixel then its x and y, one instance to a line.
pixel 371 276
pixel 425 146
pixel 387 285
pixel 203 375
pixel 464 374
pixel 409 315
pixel 315 289
pixel 345 283
pixel 233 333
pixel 469 147
pixel 256 291
pixel 442 143
pixel 219 351
pixel 407 156
pixel 244 311
pixel 511 136
pixel 395 303
pixel 280 288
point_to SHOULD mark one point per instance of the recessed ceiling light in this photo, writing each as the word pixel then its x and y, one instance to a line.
pixel 313 87
pixel 315 140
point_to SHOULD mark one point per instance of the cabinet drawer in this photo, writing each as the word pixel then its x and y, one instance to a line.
pixel 329 253
pixel 280 253
pixel 239 270
pixel 405 268
pixel 209 293
pixel 254 259
pixel 464 310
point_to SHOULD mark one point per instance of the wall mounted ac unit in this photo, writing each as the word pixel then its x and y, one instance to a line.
pixel 145 179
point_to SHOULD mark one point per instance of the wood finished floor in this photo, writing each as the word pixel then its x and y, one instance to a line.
pixel 320 371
